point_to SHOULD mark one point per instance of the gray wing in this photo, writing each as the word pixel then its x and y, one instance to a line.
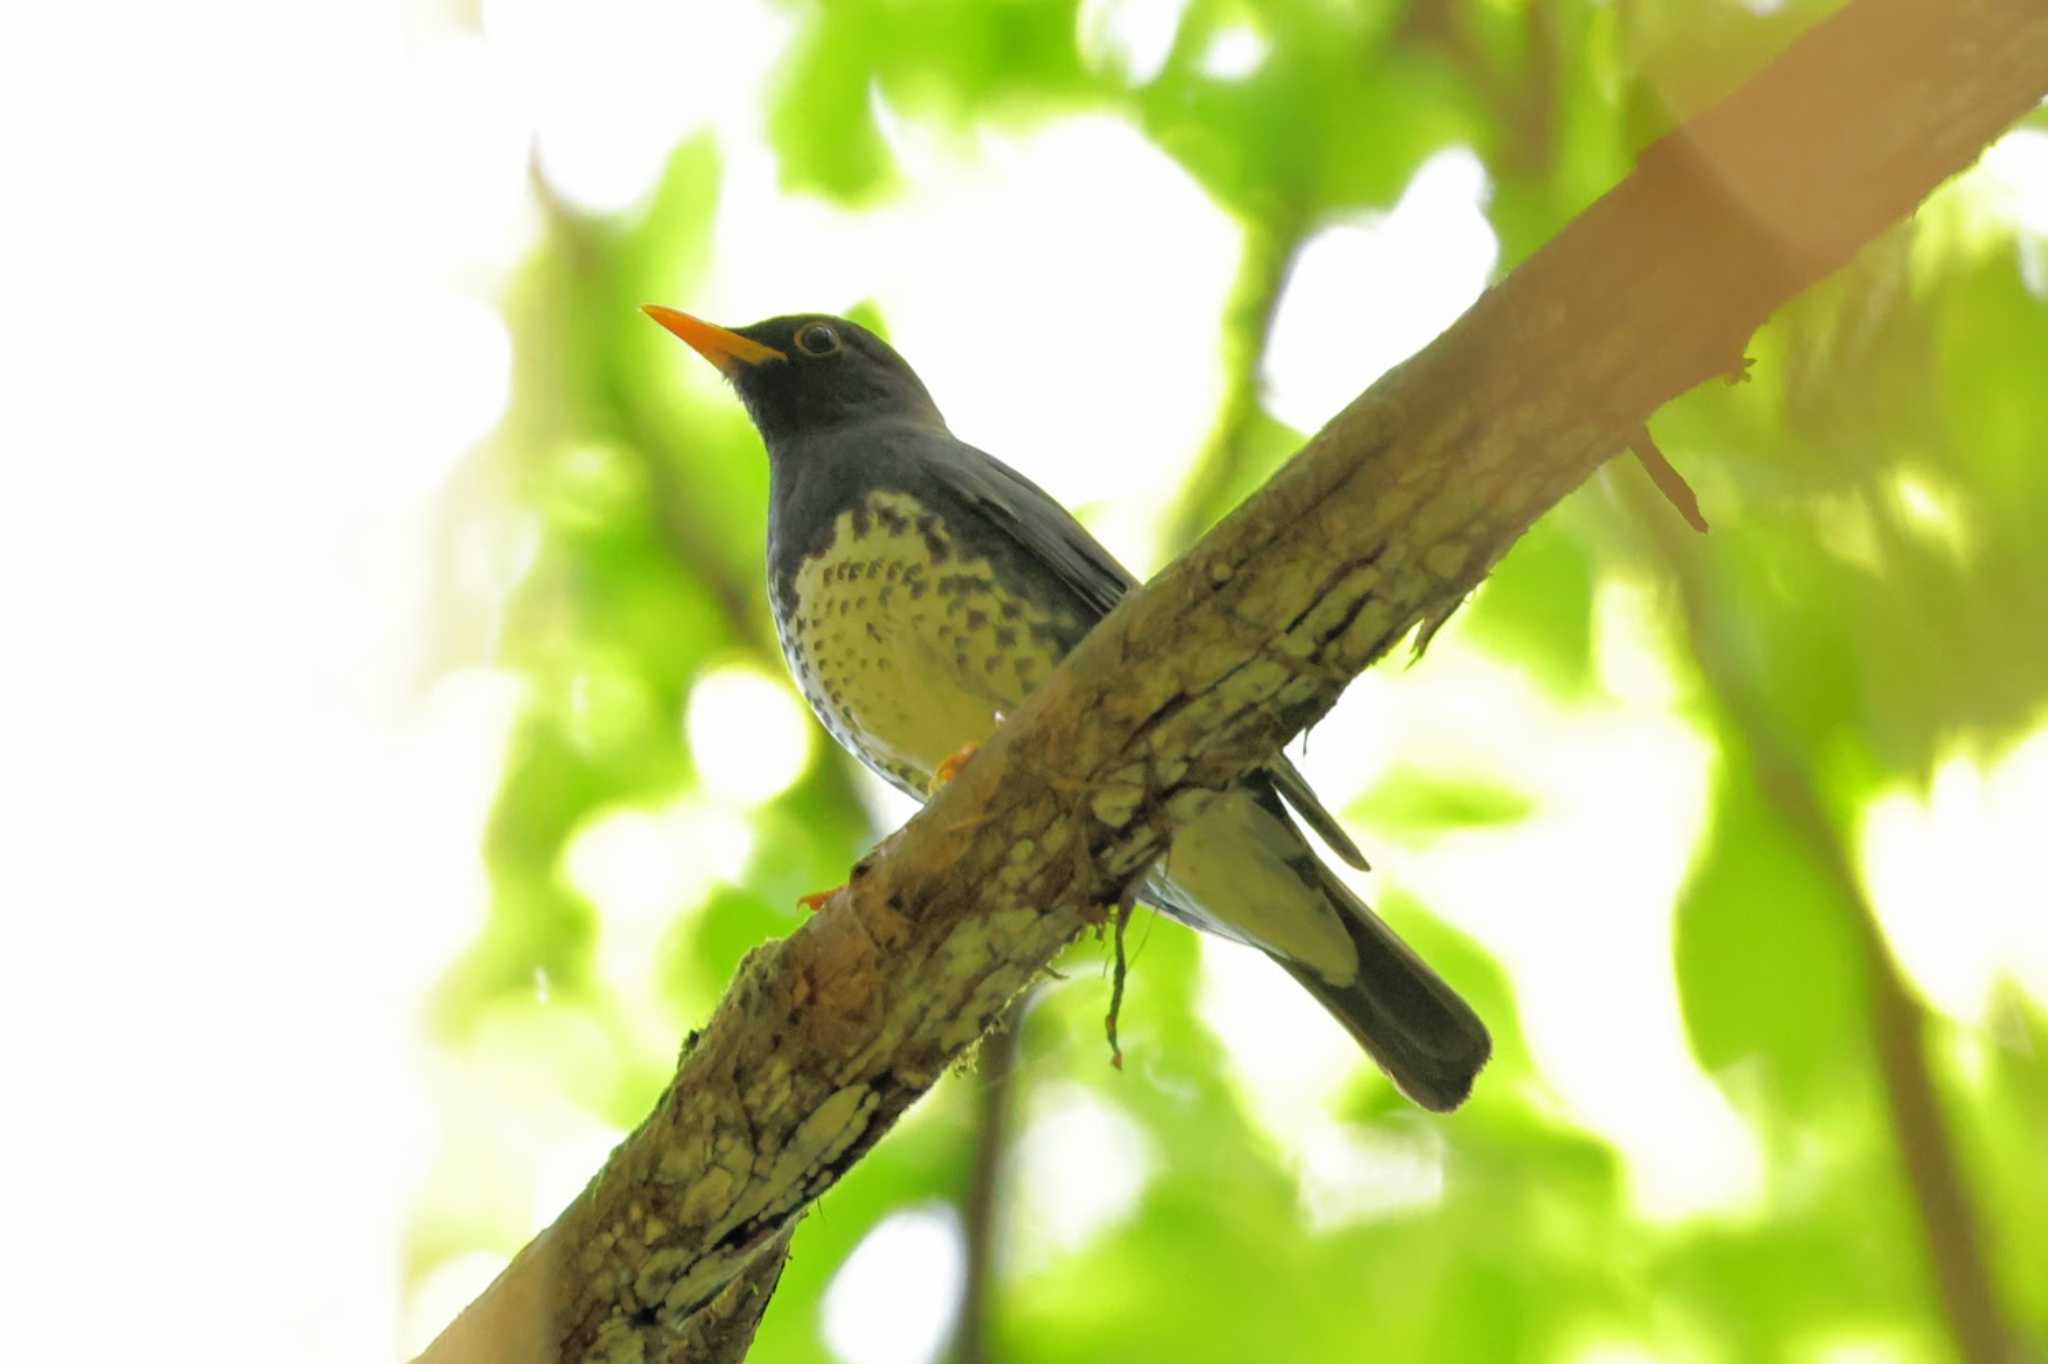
pixel 1040 526
pixel 1049 533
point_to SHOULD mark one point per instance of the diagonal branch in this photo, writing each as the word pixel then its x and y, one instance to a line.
pixel 1383 523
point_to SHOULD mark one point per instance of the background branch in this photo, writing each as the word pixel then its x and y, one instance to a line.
pixel 1384 523
pixel 996 1084
pixel 585 248
pixel 1941 1201
pixel 1262 271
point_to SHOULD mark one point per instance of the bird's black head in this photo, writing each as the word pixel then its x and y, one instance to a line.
pixel 806 372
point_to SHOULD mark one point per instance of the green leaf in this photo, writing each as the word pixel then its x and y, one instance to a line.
pixel 1420 805
pixel 1770 970
pixel 1536 608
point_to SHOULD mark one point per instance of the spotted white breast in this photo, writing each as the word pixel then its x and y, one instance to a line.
pixel 904 644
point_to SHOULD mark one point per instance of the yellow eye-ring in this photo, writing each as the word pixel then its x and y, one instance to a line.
pixel 817 338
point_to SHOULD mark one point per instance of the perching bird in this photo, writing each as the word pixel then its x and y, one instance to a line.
pixel 920 588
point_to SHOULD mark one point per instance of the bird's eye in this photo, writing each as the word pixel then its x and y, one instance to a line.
pixel 817 339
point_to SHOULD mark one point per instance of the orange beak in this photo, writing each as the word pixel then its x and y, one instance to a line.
pixel 727 350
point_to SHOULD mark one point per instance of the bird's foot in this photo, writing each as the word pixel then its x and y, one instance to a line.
pixel 950 768
pixel 815 901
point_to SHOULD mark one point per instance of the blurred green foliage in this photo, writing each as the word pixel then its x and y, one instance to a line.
pixel 1882 637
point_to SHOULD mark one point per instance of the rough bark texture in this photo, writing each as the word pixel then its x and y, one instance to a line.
pixel 1385 521
pixel 724 1331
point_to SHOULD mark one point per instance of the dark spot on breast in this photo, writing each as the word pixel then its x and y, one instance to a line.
pixel 1046 635
pixel 873 633
pixel 895 568
pixel 874 567
pixel 960 661
pixel 882 597
pixel 862 521
pixel 892 520
pixel 1006 638
pixel 1027 668
pixel 994 661
pixel 977 620
pixel 1012 608
pixel 917 589
pixel 934 538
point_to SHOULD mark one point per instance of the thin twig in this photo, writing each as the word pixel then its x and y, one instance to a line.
pixel 1668 480
pixel 1119 969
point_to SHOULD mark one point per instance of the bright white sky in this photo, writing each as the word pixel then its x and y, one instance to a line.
pixel 249 331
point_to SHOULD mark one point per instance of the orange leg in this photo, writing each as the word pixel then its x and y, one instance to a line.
pixel 950 768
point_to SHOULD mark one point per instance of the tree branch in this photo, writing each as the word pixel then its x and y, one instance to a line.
pixel 724 1331
pixel 1384 522
pixel 1898 1023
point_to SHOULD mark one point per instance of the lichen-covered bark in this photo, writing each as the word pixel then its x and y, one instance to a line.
pixel 1385 521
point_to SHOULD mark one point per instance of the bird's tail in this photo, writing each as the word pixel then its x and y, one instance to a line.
pixel 1416 1027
